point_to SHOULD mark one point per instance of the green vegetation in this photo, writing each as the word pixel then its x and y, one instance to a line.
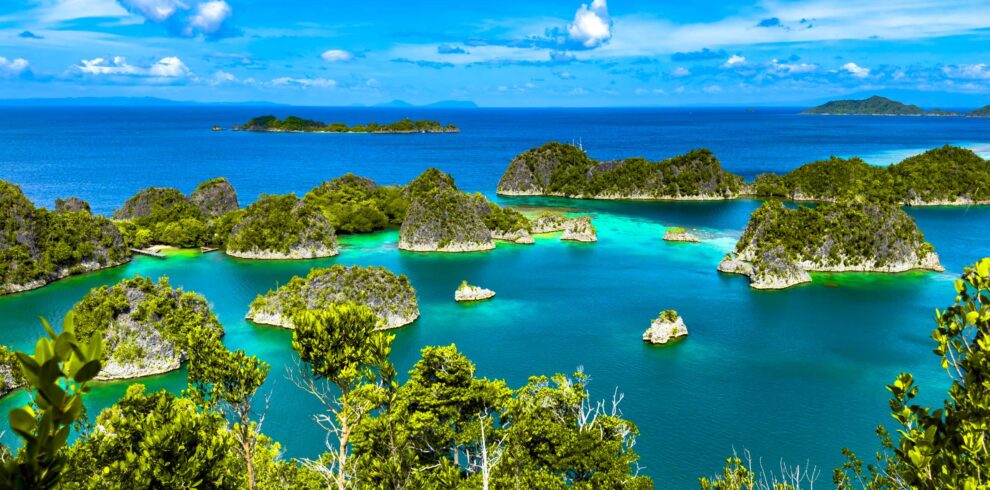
pixel 281 224
pixel 39 246
pixel 389 296
pixel 945 174
pixel 565 170
pixel 669 316
pixel 59 371
pixel 11 377
pixel 829 236
pixel 138 317
pixel 505 220
pixel 355 204
pixel 875 105
pixel 944 447
pixel 442 218
pixel 161 215
pixel 981 112
pixel 298 124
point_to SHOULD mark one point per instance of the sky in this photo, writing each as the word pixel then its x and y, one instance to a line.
pixel 499 54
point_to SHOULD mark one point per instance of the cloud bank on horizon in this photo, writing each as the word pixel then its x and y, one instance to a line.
pixel 550 52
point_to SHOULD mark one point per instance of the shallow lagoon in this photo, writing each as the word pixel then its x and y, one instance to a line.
pixel 797 374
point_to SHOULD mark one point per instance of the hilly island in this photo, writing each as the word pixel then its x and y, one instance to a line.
pixel 293 124
pixel 882 106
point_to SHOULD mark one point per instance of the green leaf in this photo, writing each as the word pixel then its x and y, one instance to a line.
pixel 88 371
pixel 21 421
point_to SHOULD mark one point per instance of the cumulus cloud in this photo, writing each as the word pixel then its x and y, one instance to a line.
pixel 304 82
pixel 561 57
pixel 855 70
pixel 209 17
pixel 187 19
pixel 592 25
pixel 336 55
pixel 448 49
pixel 978 71
pixel 169 68
pixel 16 67
pixel 680 72
pixel 734 60
pixel 778 68
pixel 222 77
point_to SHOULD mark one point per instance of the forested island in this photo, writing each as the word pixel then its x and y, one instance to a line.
pixel 147 326
pixel 293 124
pixel 942 176
pixel 557 169
pixel 873 106
pixel 389 296
pixel 780 245
pixel 38 246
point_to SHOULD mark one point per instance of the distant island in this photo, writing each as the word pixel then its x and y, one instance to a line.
pixel 882 106
pixel 293 124
pixel 874 106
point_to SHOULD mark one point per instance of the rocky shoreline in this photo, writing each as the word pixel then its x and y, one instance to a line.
pixel 680 235
pixel 81 268
pixel 467 292
pixel 293 254
pixel 665 328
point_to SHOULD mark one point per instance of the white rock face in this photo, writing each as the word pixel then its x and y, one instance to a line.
pixel 472 293
pixel 519 236
pixel 549 223
pixel 295 253
pixel 679 236
pixel 580 230
pixel 662 331
pixel 62 273
pixel 451 247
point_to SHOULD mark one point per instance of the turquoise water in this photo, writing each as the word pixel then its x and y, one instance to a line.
pixel 795 374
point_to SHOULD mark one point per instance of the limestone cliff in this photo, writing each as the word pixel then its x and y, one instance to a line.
pixel 389 296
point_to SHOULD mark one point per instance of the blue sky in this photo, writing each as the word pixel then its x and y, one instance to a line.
pixel 533 53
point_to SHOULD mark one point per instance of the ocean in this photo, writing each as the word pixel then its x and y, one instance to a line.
pixel 796 374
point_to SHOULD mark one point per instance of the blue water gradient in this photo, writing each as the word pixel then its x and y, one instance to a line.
pixel 795 374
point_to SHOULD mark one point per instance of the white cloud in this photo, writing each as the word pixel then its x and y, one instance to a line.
pixel 734 60
pixel 209 17
pixel 855 70
pixel 170 67
pixel 592 25
pixel 153 10
pixel 221 77
pixel 63 10
pixel 778 68
pixel 304 82
pixel 680 72
pixel 336 55
pixel 978 71
pixel 14 67
pixel 712 89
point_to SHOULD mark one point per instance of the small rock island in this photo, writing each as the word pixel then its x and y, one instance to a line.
pixel 679 234
pixel 387 295
pixel 278 227
pixel 580 230
pixel 781 245
pixel 563 170
pixel 467 292
pixel 38 246
pixel 146 326
pixel 294 124
pixel 665 328
pixel 11 375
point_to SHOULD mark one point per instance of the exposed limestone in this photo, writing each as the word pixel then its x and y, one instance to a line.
pixel 467 292
pixel 549 223
pixel 146 326
pixel 11 376
pixel 282 227
pixel 668 326
pixel 442 218
pixel 518 236
pixel 580 230
pixel 678 234
pixel 215 197
pixel 71 205
pixel 389 296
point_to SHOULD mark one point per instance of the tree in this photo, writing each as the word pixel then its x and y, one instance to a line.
pixel 228 381
pixel 947 447
pixel 59 371
pixel 345 352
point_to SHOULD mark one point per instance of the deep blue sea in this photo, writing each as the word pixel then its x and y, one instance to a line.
pixel 795 374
